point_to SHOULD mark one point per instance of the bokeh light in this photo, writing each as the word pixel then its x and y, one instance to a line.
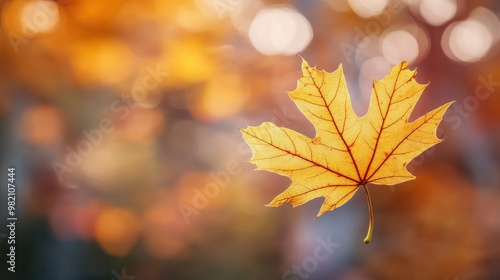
pixel 112 61
pixel 166 232
pixel 39 17
pixel 166 191
pixel 399 45
pixel 189 63
pixel 340 6
pixel 467 41
pixel 72 217
pixel 117 231
pixel 368 8
pixel 42 125
pixel 489 20
pixel 373 68
pixel 243 16
pixel 219 99
pixel 280 30
pixel 141 125
pixel 438 12
pixel 404 42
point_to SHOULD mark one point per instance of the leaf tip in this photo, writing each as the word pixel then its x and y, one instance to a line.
pixel 305 65
pixel 446 106
pixel 244 130
pixel 341 68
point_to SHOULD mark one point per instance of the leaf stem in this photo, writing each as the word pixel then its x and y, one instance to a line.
pixel 368 237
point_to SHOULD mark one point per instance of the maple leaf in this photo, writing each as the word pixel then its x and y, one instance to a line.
pixel 348 151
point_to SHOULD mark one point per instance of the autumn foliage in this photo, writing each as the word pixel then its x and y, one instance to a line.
pixel 348 151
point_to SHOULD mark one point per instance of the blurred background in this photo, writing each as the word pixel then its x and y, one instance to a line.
pixel 122 121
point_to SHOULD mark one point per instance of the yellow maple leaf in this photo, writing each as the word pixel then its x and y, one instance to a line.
pixel 348 151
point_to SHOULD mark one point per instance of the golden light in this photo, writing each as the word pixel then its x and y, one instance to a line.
pixel 188 61
pixel 116 231
pixel 220 98
pixel 368 8
pixel 438 12
pixel 467 41
pixel 94 12
pixel 112 166
pixel 280 30
pixel 112 61
pixel 191 19
pixel 10 17
pixel 39 17
pixel 102 165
